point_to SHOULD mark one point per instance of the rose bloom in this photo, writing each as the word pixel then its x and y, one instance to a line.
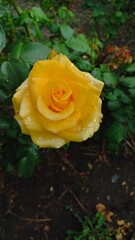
pixel 58 103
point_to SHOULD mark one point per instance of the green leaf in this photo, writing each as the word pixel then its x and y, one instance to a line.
pixel 103 68
pixel 20 69
pixel 23 18
pixel 122 16
pixel 98 10
pixel 66 31
pixel 100 222
pixel 2 38
pixel 4 122
pixel 124 98
pixel 65 14
pixel 9 75
pixel 119 116
pixel 4 95
pixel 66 146
pixel 16 50
pixel 120 95
pixel 94 55
pixel 33 154
pixel 61 48
pixel 116 132
pixel 110 96
pixel 24 139
pixel 131 68
pixel 32 52
pixel 25 167
pixel 131 127
pixel 110 79
pixel 97 74
pixel 14 72
pixel 53 27
pixel 132 92
pixel 28 163
pixel 38 31
pixel 84 65
pixel 14 129
pixel 129 111
pixel 119 14
pixel 9 167
pixel 113 105
pixel 2 10
pixel 38 15
pixel 78 44
pixel 128 82
pixel 27 51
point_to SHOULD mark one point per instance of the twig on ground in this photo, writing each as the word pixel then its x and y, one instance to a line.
pixel 78 201
pixel 28 219
pixel 75 197
pixel 70 165
pixel 62 195
pixel 46 237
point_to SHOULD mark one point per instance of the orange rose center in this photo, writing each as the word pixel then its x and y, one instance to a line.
pixel 58 93
pixel 60 96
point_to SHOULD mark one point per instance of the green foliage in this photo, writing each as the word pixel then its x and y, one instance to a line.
pixel 118 104
pixel 2 38
pixel 30 52
pixel 65 14
pixel 92 228
pixel 79 44
pixel 16 150
pixel 107 17
pixel 14 72
pixel 131 68
pixel 28 155
pixel 28 35
pixel 66 31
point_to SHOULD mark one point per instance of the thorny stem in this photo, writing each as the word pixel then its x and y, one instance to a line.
pixel 14 4
pixel 52 9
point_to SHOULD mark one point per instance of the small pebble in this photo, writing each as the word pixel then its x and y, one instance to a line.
pixel 90 167
pixel 114 178
pixel 124 183
pixel 108 197
pixel 51 189
pixel 63 168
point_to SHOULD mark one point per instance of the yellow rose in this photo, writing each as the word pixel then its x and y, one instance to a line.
pixel 58 103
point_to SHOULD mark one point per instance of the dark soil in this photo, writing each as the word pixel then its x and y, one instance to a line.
pixel 66 183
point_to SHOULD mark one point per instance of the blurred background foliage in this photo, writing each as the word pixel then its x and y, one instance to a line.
pixel 29 31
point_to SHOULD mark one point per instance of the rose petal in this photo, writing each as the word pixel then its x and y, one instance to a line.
pixel 57 95
pixel 85 129
pixel 60 95
pixel 49 114
pixel 22 126
pixel 62 125
pixel 40 75
pixel 66 62
pixel 28 114
pixel 58 103
pixel 85 95
pixel 98 84
pixel 47 139
pixel 20 91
